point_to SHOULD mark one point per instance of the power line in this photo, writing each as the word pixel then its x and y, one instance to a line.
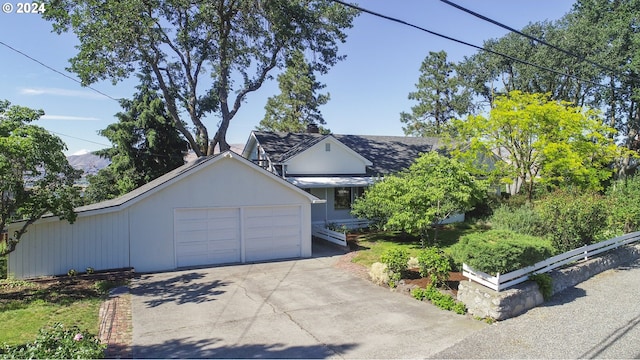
pixel 530 37
pixel 465 43
pixel 56 71
pixel 77 138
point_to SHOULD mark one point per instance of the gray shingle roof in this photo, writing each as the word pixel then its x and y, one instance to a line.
pixel 388 154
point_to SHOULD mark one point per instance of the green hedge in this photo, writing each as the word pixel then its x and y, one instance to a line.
pixel 500 251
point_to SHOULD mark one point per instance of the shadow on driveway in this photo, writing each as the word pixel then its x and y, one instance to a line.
pixel 181 289
pixel 185 348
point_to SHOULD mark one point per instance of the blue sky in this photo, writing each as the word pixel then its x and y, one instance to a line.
pixel 368 90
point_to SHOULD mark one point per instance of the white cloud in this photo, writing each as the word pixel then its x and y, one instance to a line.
pixel 62 92
pixel 69 118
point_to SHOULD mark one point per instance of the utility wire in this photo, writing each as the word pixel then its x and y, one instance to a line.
pixel 77 138
pixel 465 43
pixel 533 38
pixel 56 71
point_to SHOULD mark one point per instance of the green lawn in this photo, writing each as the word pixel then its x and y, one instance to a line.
pixel 27 307
pixel 374 244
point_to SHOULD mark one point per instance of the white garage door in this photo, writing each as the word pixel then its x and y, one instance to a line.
pixel 230 235
pixel 272 233
pixel 207 236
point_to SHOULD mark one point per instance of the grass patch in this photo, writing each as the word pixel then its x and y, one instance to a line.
pixel 372 245
pixel 26 307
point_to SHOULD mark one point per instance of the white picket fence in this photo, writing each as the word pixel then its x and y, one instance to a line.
pixel 337 237
pixel 504 281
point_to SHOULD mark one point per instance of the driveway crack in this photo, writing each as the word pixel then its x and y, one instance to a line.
pixel 335 351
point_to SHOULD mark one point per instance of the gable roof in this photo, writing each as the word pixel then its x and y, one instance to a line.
pixel 175 175
pixel 388 154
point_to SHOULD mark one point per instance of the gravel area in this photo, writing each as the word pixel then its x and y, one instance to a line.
pixel 598 318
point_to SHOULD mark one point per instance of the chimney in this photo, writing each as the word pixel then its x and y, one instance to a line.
pixel 313 128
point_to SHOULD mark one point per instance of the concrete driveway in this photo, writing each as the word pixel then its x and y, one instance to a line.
pixel 290 309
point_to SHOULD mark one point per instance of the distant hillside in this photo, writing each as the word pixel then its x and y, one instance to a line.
pixel 89 163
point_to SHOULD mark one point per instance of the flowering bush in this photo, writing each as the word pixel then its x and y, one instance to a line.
pixel 58 342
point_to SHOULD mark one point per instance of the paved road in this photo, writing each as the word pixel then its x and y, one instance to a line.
pixel 290 309
pixel 599 318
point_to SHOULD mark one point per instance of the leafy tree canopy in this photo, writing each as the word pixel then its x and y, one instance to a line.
pixel 528 138
pixel 415 200
pixel 35 176
pixel 296 107
pixel 204 56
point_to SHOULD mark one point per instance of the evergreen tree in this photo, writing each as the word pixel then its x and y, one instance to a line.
pixel 296 107
pixel 441 97
pixel 145 146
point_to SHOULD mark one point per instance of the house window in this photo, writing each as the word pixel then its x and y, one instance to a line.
pixel 327 147
pixel 342 198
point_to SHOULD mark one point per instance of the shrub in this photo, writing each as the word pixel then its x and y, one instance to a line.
pixel 396 260
pixel 379 273
pixel 523 220
pixel 500 251
pixel 545 284
pixel 573 219
pixel 624 197
pixel 58 342
pixel 443 301
pixel 435 265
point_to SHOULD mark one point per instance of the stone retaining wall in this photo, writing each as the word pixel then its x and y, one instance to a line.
pixel 487 303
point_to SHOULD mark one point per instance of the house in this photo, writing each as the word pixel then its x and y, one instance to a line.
pixel 336 168
pixel 214 210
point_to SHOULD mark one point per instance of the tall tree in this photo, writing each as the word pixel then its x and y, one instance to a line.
pixel 238 43
pixel 417 199
pixel 441 97
pixel 146 146
pixel 35 176
pixel 492 75
pixel 296 107
pixel 530 139
pixel 618 29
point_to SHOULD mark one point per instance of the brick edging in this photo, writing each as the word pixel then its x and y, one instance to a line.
pixel 115 324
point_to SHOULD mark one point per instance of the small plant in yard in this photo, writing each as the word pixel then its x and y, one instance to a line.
pixel 90 270
pixel 58 342
pixel 337 227
pixel 72 272
pixel 545 284
pixel 435 265
pixel 379 273
pixel 443 301
pixel 11 283
pixel 413 263
pixel 396 260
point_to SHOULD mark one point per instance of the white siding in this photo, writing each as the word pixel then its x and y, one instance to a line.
pixel 141 234
pixel 316 160
pixel 228 184
pixel 52 247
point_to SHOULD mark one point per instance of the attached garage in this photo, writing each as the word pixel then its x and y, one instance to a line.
pixel 237 234
pixel 216 210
